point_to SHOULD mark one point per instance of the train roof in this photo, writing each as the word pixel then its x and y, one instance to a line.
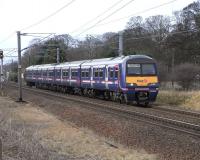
pixel 116 60
pixel 71 64
pixel 43 66
pixel 93 62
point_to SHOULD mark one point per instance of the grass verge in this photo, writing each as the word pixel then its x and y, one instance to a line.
pixel 185 99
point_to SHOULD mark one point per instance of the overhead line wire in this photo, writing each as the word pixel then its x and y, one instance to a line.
pixel 49 16
pixel 40 40
pixel 140 12
pixel 40 21
pixel 10 52
pixel 7 38
pixel 133 38
pixel 94 19
pixel 115 20
pixel 105 17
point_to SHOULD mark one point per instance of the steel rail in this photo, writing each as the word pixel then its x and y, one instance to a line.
pixel 175 110
pixel 177 125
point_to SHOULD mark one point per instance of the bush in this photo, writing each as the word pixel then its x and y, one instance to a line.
pixel 162 72
pixel 13 77
pixel 185 74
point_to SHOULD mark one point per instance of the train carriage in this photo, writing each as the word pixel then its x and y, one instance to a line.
pixel 126 78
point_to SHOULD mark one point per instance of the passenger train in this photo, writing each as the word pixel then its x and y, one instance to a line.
pixel 126 78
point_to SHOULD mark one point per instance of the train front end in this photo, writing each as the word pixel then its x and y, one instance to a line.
pixel 141 80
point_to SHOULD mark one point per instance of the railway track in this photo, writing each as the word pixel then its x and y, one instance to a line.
pixel 180 111
pixel 129 113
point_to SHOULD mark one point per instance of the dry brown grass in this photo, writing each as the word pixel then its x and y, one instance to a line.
pixel 185 99
pixel 18 141
pixel 193 102
pixel 30 133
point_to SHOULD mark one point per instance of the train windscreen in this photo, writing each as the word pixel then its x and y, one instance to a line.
pixel 141 69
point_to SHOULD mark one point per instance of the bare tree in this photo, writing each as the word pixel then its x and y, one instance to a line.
pixel 185 74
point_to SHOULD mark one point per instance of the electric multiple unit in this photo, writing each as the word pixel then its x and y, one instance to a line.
pixel 126 78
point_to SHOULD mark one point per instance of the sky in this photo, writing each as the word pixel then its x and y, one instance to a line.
pixel 73 17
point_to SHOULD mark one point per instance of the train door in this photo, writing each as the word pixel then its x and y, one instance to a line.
pixel 70 75
pixel 47 79
pixel 91 77
pixel 60 76
pixel 111 81
pixel 95 77
pixel 101 83
pixel 106 77
pixel 116 77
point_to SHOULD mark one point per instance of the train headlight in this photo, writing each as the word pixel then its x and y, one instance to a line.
pixel 153 84
pixel 131 84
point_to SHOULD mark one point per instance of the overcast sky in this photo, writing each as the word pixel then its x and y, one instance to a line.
pixel 19 14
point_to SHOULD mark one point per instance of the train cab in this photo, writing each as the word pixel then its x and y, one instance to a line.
pixel 141 79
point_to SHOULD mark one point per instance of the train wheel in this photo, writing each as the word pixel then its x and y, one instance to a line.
pixel 106 95
pixel 92 93
pixel 146 104
pixel 111 96
pixel 114 96
pixel 143 104
pixel 85 92
pixel 124 99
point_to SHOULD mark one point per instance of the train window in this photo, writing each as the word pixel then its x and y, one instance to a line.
pixel 74 73
pixel 27 73
pixel 133 69
pixel 116 73
pixel 87 74
pixel 40 73
pixel 148 69
pixel 65 73
pixel 83 74
pixel 106 72
pixel 101 73
pixel 111 73
pixel 96 72
pixel 44 73
pixel 50 74
pixel 58 73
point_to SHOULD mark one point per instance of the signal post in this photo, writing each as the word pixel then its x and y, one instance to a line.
pixel 19 66
pixel 1 74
